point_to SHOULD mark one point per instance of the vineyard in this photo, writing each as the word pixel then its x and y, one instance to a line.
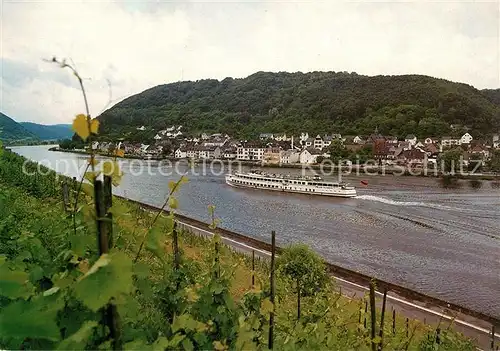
pixel 150 286
pixel 81 269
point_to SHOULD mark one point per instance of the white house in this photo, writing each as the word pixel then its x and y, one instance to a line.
pixel 289 156
pixel 431 141
pixel 144 148
pixel 141 128
pixel 250 152
pixel 449 141
pixel 180 153
pixel 209 152
pixel 309 156
pixel 282 137
pixel 95 145
pixel 264 136
pixel 309 142
pixel 157 137
pixel 357 140
pixel 303 137
pixel 466 138
pixel 496 141
pixel 412 139
pixel 229 153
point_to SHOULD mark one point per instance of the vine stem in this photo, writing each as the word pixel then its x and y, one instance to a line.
pixel 77 196
pixel 63 64
pixel 174 188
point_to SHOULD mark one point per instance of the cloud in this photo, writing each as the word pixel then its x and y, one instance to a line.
pixel 136 45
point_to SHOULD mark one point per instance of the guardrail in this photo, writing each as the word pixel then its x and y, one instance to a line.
pixel 342 272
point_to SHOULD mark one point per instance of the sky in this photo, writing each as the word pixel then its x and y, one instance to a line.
pixel 121 48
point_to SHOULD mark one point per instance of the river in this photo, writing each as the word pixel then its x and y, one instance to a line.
pixel 407 230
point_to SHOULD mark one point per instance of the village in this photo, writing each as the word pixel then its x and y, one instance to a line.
pixel 284 149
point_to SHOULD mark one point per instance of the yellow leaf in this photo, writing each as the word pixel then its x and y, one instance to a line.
pixel 94 126
pixel 171 185
pixel 266 306
pixel 81 127
pixel 93 161
pixel 219 346
pixel 120 152
pixel 112 169
pixel 172 203
pixel 91 176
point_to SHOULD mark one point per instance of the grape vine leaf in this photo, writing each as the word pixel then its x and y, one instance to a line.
pixel 109 277
pixel 81 126
pixel 13 284
pixel 112 169
pixel 23 319
pixel 94 126
pixel 78 340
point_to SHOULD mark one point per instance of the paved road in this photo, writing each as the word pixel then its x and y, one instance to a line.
pixel 469 326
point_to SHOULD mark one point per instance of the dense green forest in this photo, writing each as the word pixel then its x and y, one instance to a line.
pixel 10 130
pixel 493 95
pixel 317 102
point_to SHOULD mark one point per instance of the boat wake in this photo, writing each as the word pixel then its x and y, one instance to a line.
pixel 406 203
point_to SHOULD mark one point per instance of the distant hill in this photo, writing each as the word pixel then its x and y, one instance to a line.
pixel 316 102
pixel 493 95
pixel 10 130
pixel 49 132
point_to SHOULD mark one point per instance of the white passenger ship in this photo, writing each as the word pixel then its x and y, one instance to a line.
pixel 303 185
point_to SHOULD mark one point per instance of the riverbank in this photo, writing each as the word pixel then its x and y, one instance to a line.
pixel 359 170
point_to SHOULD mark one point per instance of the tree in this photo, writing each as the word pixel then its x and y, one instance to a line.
pixel 451 160
pixel 303 268
pixel 337 151
pixel 494 163
pixel 363 155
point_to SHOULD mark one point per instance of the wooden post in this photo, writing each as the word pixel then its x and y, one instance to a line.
pixel 373 315
pixel 110 312
pixel 102 227
pixel 253 268
pixel 407 327
pixel 108 203
pixel 381 331
pixel 366 312
pixel 74 183
pixel 438 335
pixel 271 314
pixel 175 247
pixel 393 321
pixel 65 191
pixel 493 337
pixel 217 266
pixel 298 299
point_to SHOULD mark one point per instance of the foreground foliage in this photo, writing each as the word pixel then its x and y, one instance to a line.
pixel 55 288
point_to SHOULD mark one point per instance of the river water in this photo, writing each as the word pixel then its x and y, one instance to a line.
pixel 407 230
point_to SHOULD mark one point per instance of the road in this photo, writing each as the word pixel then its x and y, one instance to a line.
pixel 467 325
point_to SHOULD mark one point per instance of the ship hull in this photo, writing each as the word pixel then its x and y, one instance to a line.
pixel 234 181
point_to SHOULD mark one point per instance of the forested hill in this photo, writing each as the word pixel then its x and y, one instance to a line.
pixel 317 102
pixel 493 95
pixel 10 130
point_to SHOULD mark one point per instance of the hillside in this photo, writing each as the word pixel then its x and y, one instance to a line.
pixel 49 132
pixel 493 95
pixel 316 102
pixel 10 130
